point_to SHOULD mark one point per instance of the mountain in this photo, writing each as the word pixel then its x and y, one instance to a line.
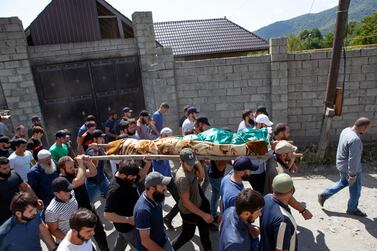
pixel 324 20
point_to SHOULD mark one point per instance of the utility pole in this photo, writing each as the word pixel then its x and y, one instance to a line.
pixel 332 79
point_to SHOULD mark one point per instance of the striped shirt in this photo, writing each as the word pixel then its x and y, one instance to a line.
pixel 278 227
pixel 60 212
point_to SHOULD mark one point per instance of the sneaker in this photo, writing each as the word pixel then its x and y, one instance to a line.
pixel 168 223
pixel 321 199
pixel 357 212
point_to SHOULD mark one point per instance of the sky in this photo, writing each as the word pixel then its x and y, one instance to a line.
pixel 250 14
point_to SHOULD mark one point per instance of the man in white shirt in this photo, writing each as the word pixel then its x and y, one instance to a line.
pixel 189 123
pixel 82 224
pixel 21 160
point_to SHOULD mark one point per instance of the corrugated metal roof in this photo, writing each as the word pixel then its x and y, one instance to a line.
pixel 193 37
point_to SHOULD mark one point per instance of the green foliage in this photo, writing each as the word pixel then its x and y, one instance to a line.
pixel 366 31
pixel 357 33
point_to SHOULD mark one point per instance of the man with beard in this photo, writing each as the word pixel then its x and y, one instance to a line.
pixel 20 133
pixel 120 202
pixel 144 125
pixel 59 148
pixel 247 120
pixel 235 228
pixel 193 205
pixel 128 129
pixel 61 208
pixel 281 162
pixel 25 228
pixel 231 186
pixel 150 234
pixel 41 175
pixel 189 123
pixel 77 178
pixel 82 224
pixel 21 160
pixel 10 184
pixel 4 146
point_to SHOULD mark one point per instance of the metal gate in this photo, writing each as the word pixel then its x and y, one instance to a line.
pixel 69 92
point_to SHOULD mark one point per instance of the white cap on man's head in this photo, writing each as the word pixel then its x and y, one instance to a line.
pixel 263 119
pixel 166 131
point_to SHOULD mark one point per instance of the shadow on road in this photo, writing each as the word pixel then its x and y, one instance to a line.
pixel 308 242
pixel 370 224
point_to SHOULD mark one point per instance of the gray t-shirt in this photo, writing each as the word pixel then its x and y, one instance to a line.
pixel 187 182
pixel 348 155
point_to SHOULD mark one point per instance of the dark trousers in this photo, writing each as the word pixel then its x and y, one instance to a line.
pixel 189 224
pixel 172 188
pixel 257 181
pixel 100 235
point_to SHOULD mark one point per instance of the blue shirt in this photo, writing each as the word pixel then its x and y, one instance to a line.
pixel 277 226
pixel 111 125
pixel 158 120
pixel 40 182
pixel 229 191
pixel 234 233
pixel 162 166
pixel 148 216
pixel 16 236
pixel 82 130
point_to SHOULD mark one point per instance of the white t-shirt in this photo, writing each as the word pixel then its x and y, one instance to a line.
pixel 21 164
pixel 187 125
pixel 66 245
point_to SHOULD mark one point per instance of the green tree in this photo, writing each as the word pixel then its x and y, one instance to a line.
pixel 311 39
pixel 294 43
pixel 328 40
pixel 366 31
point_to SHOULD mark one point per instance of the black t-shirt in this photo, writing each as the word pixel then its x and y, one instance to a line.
pixel 181 120
pixel 121 199
pixel 34 145
pixel 81 195
pixel 8 188
pixel 5 153
pixel 214 172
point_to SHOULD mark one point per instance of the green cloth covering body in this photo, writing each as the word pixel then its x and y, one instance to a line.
pixel 219 136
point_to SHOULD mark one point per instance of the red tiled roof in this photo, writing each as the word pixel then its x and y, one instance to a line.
pixel 193 37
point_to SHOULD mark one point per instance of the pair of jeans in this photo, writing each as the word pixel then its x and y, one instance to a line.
pixel 123 239
pixel 172 188
pixel 215 194
pixel 354 190
pixel 94 189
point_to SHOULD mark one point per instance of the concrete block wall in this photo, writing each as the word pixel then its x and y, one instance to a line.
pixel 58 53
pixel 16 78
pixel 223 88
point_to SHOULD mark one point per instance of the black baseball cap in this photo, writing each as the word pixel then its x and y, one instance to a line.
pixel 243 163
pixel 4 139
pixel 262 109
pixel 60 133
pixel 35 118
pixel 61 184
pixel 98 133
pixel 203 120
pixel 192 110
pixel 144 113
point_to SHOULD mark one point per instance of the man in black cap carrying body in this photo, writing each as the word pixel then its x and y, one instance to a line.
pixel 61 208
pixel 150 234
pixel 193 206
pixel 201 124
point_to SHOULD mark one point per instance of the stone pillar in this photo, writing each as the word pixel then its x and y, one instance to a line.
pixel 16 77
pixel 157 69
pixel 279 80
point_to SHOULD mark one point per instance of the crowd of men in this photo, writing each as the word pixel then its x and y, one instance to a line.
pixel 49 193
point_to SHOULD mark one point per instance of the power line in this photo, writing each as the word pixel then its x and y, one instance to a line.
pixel 311 6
